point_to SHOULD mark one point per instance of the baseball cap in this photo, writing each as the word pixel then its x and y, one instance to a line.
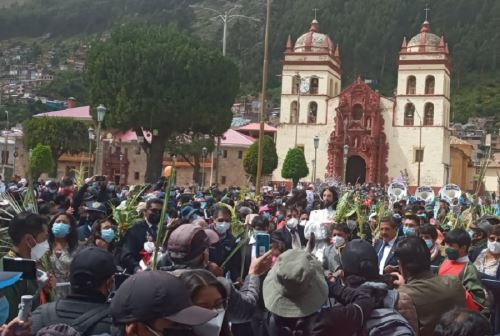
pixel 96 206
pixel 189 241
pixel 152 295
pixel 295 287
pixel 9 278
pixel 89 267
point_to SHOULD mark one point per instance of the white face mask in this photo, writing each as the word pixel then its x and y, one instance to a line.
pixel 292 223
pixel 222 227
pixel 338 241
pixel 212 327
pixel 149 247
pixel 494 247
pixel 39 250
pixel 303 222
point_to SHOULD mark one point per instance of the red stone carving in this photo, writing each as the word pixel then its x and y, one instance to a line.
pixel 365 137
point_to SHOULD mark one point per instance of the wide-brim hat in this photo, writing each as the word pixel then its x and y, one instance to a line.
pixel 295 287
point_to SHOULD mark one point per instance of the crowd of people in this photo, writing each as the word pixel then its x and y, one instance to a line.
pixel 338 261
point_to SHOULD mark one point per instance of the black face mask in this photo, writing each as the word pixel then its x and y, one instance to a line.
pixel 154 218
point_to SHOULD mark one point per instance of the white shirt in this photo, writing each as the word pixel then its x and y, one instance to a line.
pixel 296 244
pixel 315 224
pixel 387 249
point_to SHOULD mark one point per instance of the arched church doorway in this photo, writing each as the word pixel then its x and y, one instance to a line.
pixel 355 170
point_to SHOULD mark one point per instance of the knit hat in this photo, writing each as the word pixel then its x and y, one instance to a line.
pixel 295 287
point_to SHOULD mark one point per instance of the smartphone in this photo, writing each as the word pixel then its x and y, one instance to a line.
pixel 100 178
pixel 262 243
pixel 25 266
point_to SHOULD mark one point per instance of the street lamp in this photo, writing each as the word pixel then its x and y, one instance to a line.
pixel 121 165
pixel 346 151
pixel 101 113
pixel 204 152
pixel 91 137
pixel 316 145
pixel 419 157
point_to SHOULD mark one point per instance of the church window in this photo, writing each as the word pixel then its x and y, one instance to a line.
pixel 357 112
pixel 331 87
pixel 409 114
pixel 294 115
pixel 336 89
pixel 419 155
pixel 295 84
pixel 429 114
pixel 430 82
pixel 411 85
pixel 314 85
pixel 313 112
pixel 368 123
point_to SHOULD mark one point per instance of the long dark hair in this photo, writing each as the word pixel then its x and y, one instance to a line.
pixel 335 195
pixel 196 279
pixel 95 232
pixel 71 238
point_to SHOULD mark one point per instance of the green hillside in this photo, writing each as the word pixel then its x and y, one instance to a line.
pixel 369 33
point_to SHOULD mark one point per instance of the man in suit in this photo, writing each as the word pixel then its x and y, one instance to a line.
pixel 292 235
pixel 386 245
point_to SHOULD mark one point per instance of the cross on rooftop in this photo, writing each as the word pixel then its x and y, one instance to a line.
pixel 427 10
pixel 315 10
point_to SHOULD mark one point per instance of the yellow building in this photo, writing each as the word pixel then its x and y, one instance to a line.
pixel 460 163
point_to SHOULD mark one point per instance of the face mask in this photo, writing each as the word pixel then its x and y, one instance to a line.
pixel 471 233
pixel 154 218
pixel 429 243
pixel 222 227
pixel 494 247
pixel 303 222
pixel 266 215
pixel 212 327
pixel 39 250
pixel 292 223
pixel 203 205
pixel 351 224
pixel 338 241
pixel 60 230
pixel 451 253
pixel 4 310
pixel 149 247
pixel 52 191
pixel 280 218
pixel 409 231
pixel 108 235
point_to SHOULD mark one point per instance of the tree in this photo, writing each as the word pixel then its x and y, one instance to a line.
pixel 295 166
pixel 40 161
pixel 269 162
pixel 190 149
pixel 162 80
pixel 62 135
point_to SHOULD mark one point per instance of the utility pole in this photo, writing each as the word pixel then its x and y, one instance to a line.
pixel 225 17
pixel 265 70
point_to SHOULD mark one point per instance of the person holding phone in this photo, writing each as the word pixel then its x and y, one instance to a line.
pixel 29 234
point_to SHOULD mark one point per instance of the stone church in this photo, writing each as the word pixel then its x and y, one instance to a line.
pixel 374 137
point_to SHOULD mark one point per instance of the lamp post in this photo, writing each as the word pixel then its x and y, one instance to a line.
pixel 91 137
pixel 5 160
pixel 346 151
pixel 204 152
pixel 316 145
pixel 121 165
pixel 101 113
pixel 421 156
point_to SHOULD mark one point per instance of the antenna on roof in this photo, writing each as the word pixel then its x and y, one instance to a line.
pixel 315 10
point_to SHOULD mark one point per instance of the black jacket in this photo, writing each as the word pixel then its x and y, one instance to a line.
pixel 284 236
pixel 391 258
pixel 132 243
pixel 219 252
pixel 68 310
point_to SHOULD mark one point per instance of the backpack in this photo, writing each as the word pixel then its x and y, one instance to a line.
pixel 387 321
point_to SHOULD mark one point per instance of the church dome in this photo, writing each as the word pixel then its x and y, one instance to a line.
pixel 425 40
pixel 312 41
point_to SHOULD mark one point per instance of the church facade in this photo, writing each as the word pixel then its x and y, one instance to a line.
pixel 363 136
